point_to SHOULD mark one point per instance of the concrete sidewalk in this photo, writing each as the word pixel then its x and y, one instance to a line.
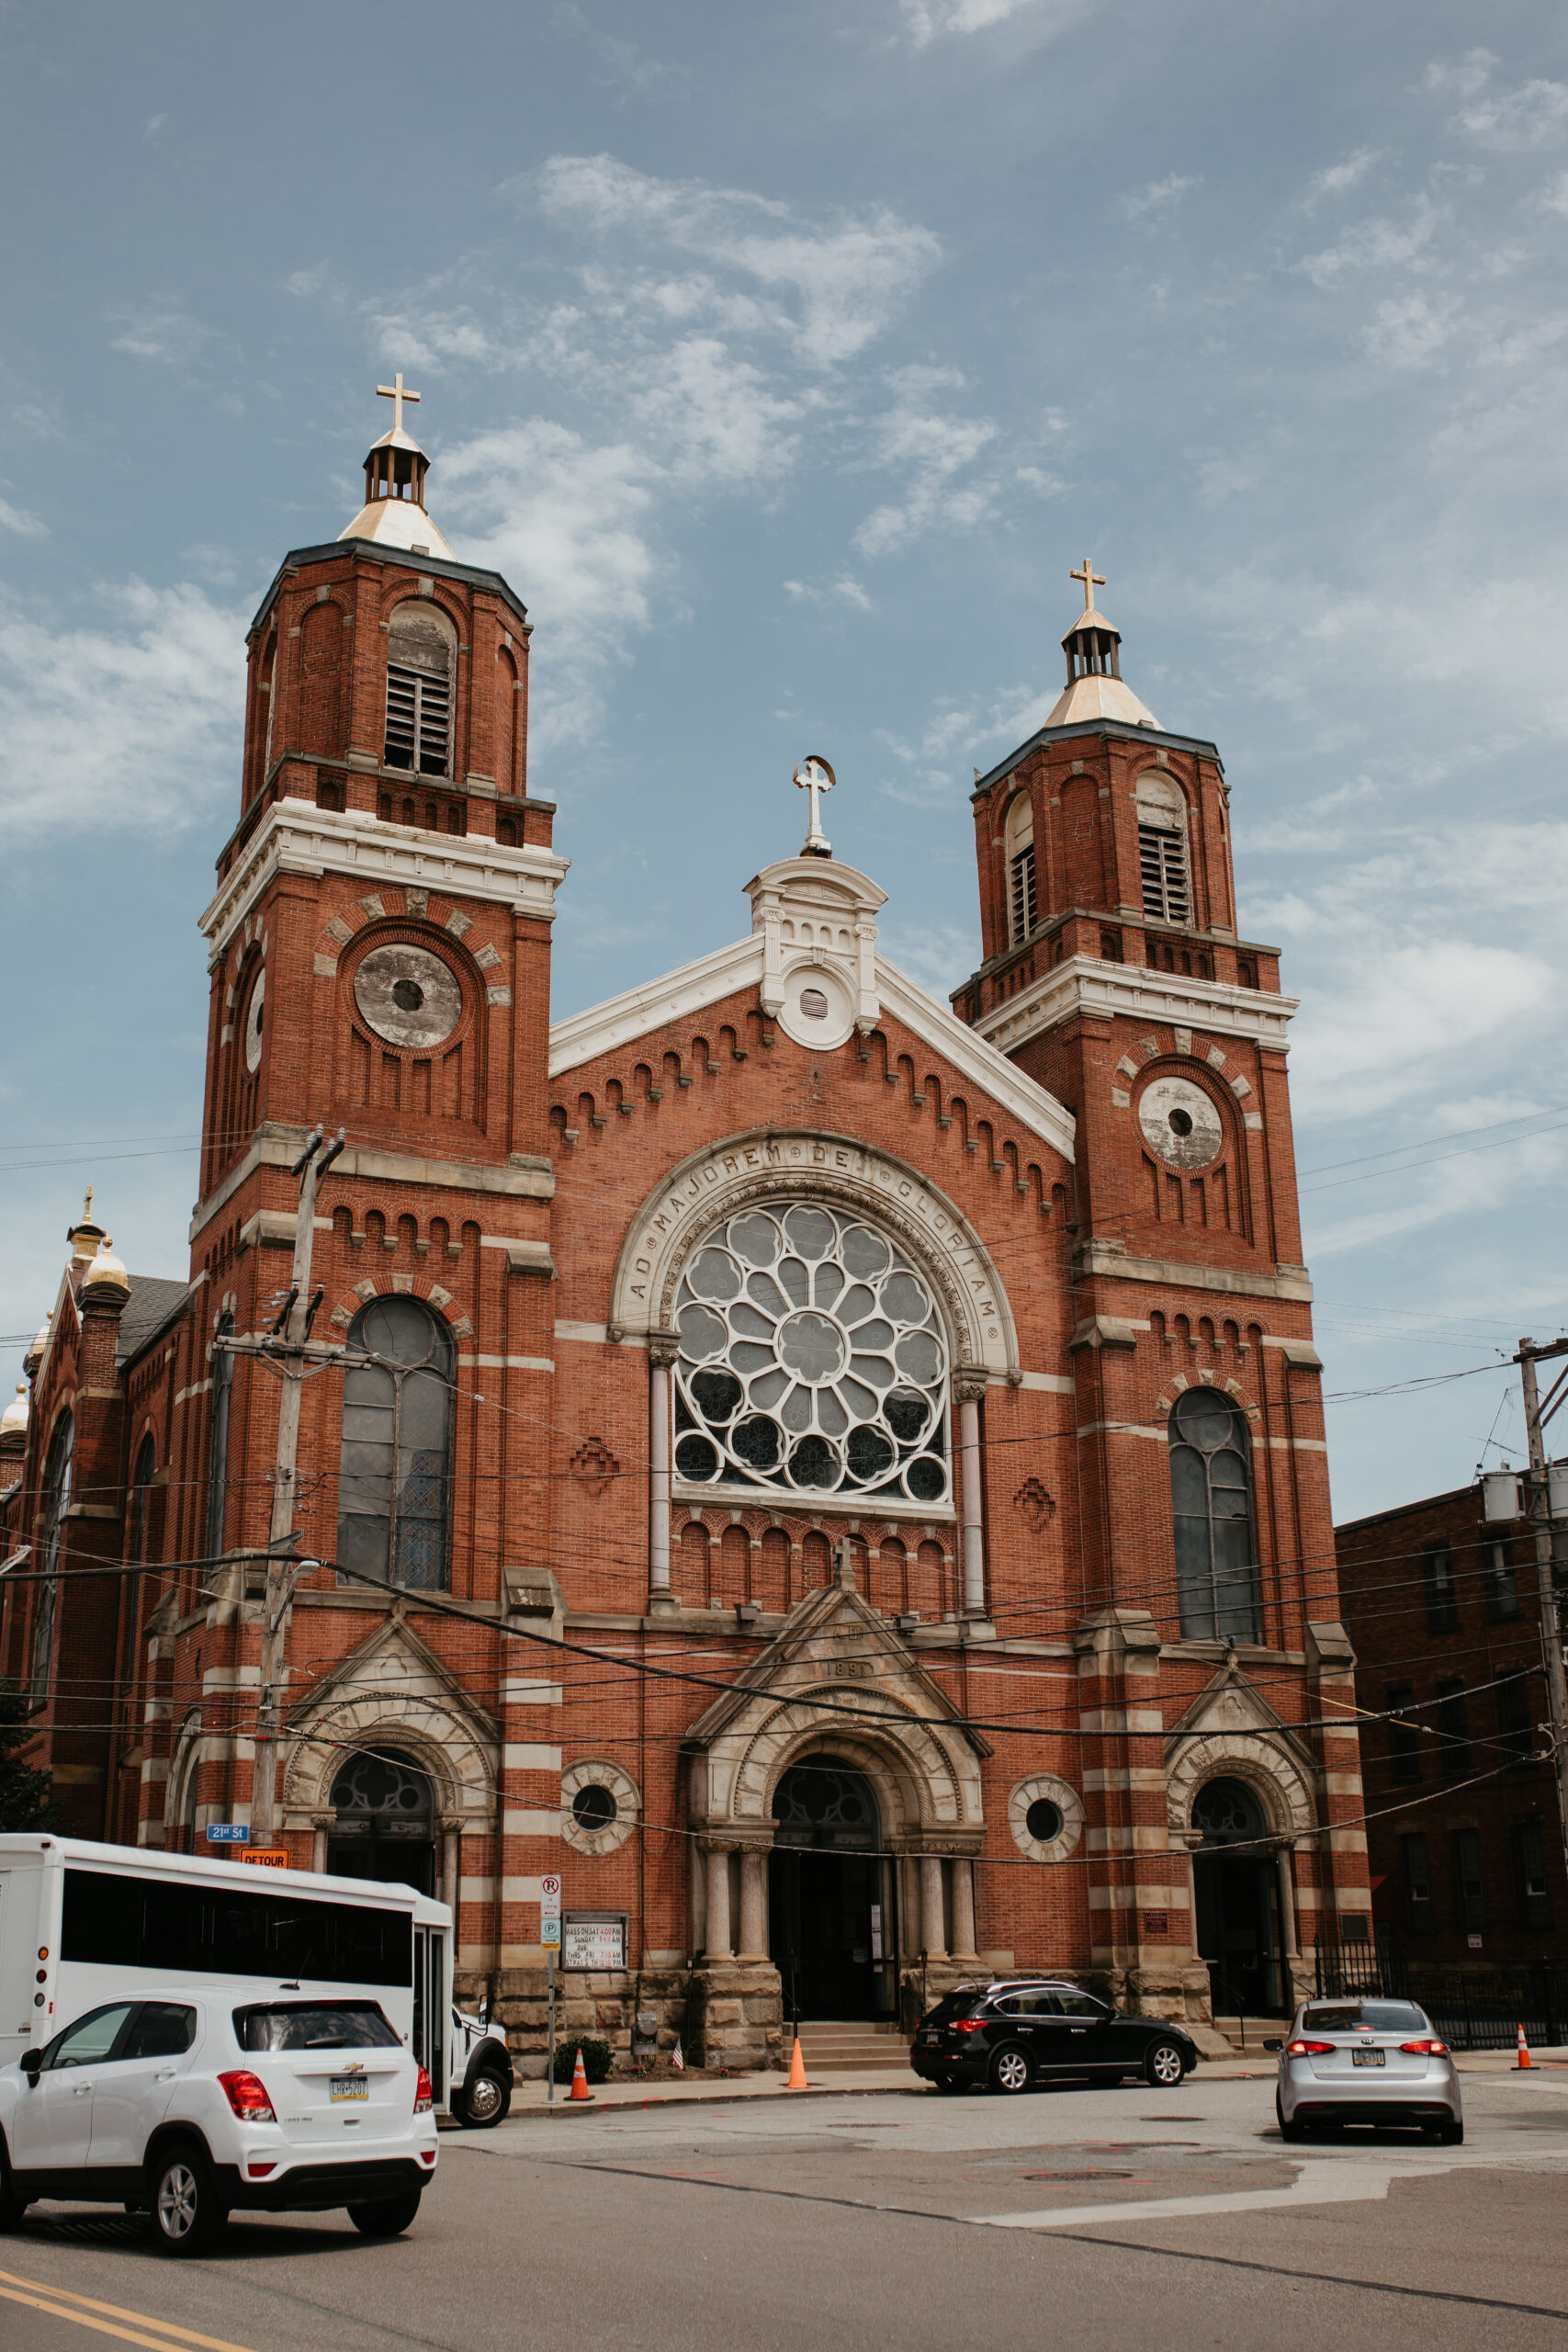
pixel 697 2089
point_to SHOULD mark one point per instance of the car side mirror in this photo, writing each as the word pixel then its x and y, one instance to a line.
pixel 30 2062
pixel 1276 2044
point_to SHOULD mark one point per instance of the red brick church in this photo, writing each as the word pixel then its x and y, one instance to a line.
pixel 838 1479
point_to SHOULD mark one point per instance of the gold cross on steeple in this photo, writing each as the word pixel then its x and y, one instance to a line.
pixel 395 393
pixel 1086 574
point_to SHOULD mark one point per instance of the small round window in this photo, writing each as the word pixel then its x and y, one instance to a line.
pixel 594 1807
pixel 1045 1820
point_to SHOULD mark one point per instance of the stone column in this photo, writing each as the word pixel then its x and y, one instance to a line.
pixel 451 1862
pixel 718 1944
pixel 321 1824
pixel 663 1351
pixel 1288 1902
pixel 753 1904
pixel 931 1907
pixel 699 1898
pixel 964 1909
pixel 971 1387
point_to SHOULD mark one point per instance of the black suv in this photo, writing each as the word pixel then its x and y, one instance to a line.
pixel 1012 2034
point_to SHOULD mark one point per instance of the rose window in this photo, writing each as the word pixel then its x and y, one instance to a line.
pixel 812 1359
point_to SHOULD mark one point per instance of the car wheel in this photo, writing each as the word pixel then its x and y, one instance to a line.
pixel 1289 2128
pixel 187 2217
pixel 1010 2069
pixel 388 2217
pixel 1163 2066
pixel 485 2102
pixel 1453 2133
pixel 12 2207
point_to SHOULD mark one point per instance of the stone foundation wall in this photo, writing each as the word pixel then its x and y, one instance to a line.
pixel 611 2005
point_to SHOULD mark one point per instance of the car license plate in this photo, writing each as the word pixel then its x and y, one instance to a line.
pixel 1366 2058
pixel 930 2037
pixel 351 2086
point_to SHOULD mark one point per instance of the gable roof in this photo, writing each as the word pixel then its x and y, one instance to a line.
pixel 154 1303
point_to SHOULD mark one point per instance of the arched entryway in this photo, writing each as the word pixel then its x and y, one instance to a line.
pixel 829 1893
pixel 1234 1883
pixel 385 1826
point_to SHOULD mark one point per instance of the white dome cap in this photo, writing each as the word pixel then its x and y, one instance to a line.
pixel 14 1419
pixel 105 1271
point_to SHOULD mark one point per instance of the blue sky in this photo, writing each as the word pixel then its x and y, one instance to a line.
pixel 785 359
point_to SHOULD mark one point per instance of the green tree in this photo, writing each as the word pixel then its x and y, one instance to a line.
pixel 25 1797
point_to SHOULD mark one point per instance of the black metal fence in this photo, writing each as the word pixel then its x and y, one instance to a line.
pixel 1472 2008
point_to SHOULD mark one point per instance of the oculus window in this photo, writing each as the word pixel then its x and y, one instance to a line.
pixel 812 1361
pixel 394 1472
pixel 1211 1493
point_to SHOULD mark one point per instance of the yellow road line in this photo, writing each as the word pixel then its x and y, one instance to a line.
pixel 60 2298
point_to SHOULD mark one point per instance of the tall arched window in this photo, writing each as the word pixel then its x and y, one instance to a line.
pixel 394 1472
pixel 217 1463
pixel 1019 836
pixel 141 1499
pixel 1162 849
pixel 56 1502
pixel 419 647
pixel 1216 1545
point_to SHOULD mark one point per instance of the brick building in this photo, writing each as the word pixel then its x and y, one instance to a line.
pixel 1465 1846
pixel 840 1480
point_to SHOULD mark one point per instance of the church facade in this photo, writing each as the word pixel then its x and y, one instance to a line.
pixel 838 1479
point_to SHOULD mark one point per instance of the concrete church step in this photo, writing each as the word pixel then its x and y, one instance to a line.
pixel 852 2046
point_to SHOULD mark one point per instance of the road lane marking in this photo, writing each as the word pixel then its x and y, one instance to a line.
pixel 60 2298
pixel 1339 2183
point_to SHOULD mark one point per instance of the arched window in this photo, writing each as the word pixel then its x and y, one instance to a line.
pixel 1019 836
pixel 1210 1490
pixel 56 1502
pixel 420 648
pixel 218 1464
pixel 141 1499
pixel 1162 849
pixel 386 1820
pixel 394 1471
pixel 812 1358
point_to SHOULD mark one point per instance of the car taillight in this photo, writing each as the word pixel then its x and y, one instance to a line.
pixel 424 2098
pixel 247 2094
pixel 1309 2048
pixel 1426 2049
pixel 968 2025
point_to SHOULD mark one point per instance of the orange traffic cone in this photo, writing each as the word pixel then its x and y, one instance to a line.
pixel 578 2081
pixel 1524 2058
pixel 797 2081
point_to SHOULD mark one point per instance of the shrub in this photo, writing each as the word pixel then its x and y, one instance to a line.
pixel 596 2058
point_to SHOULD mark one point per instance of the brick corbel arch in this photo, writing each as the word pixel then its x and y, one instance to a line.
pixel 418 1286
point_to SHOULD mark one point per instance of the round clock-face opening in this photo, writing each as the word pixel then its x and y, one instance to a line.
pixel 1180 1122
pixel 408 996
pixel 253 1013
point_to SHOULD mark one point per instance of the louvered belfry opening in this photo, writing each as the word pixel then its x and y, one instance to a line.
pixel 1023 893
pixel 418 696
pixel 1163 858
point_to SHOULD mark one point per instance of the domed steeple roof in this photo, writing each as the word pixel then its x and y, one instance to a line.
pixel 393 513
pixel 106 1272
pixel 14 1419
pixel 1093 648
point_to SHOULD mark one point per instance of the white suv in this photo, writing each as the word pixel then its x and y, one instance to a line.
pixel 185 2105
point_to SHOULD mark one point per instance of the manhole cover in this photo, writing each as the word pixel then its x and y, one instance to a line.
pixel 1075 2176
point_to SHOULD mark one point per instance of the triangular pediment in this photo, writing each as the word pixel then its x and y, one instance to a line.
pixel 393 1663
pixel 1233 1706
pixel 835 1654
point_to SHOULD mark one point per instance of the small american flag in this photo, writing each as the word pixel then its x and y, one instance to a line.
pixel 676 2059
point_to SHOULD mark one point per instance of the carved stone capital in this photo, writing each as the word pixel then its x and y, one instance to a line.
pixel 969 1385
pixel 664 1348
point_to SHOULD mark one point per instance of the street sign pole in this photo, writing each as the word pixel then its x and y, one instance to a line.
pixel 549 1936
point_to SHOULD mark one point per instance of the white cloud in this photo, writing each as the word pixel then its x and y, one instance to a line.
pixel 133 726
pixel 932 449
pixel 1410 329
pixel 17 518
pixel 163 331
pixel 1403 1016
pixel 565 520
pixel 1338 177
pixel 831 290
pixel 1374 245
pixel 1158 200
pixel 1535 114
pixel 847 591
pixel 929 19
pixel 1555 197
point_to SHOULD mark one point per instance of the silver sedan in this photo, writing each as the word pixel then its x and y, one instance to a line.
pixel 1362 2060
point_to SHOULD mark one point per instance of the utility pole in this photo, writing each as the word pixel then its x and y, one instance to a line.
pixel 1536 1418
pixel 287 1349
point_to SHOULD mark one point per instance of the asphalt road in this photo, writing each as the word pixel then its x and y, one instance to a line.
pixel 1126 2217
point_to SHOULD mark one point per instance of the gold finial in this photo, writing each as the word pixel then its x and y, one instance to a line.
pixel 395 393
pixel 1091 581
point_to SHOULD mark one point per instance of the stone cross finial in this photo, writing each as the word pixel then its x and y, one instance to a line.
pixel 814 776
pixel 1086 574
pixel 395 393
